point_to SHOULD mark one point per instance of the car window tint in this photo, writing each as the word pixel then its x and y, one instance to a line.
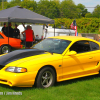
pixel 1 37
pixel 80 46
pixel 94 46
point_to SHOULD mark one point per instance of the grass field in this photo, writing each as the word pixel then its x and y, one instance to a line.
pixel 87 88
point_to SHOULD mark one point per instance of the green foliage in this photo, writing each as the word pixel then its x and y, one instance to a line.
pixel 86 25
pixel 3 0
pixel 82 9
pixel 28 4
pixel 54 8
pixel 48 8
pixel 88 15
pixel 5 4
pixel 96 12
pixel 68 9
pixel 13 3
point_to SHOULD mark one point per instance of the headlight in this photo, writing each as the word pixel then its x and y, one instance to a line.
pixel 16 69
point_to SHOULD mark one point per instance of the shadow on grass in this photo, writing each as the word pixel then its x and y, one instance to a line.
pixel 57 83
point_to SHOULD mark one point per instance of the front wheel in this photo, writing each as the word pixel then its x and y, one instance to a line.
pixel 46 78
pixel 5 49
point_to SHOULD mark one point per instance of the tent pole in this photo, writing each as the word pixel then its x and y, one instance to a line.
pixel 8 32
pixel 54 29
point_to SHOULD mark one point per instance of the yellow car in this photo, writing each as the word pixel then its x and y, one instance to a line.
pixel 53 59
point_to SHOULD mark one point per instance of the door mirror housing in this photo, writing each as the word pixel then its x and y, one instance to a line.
pixel 71 53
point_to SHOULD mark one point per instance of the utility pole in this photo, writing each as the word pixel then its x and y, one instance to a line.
pixel 2 4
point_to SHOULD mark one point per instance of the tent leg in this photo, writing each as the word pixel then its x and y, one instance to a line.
pixel 8 33
pixel 54 29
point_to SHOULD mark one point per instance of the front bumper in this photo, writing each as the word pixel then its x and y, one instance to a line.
pixel 17 79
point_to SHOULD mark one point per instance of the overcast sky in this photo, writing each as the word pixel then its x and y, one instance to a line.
pixel 86 3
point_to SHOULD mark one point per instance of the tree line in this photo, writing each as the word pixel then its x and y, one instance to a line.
pixel 54 8
pixel 84 25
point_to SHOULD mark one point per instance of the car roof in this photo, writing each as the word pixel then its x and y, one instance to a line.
pixel 71 38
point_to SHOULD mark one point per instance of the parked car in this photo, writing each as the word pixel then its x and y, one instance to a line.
pixel 52 59
pixel 7 44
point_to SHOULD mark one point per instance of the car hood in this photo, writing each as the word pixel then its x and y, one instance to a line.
pixel 19 54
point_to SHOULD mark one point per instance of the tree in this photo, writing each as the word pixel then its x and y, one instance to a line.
pixel 96 12
pixel 3 0
pixel 68 9
pixel 88 15
pixel 13 3
pixel 83 11
pixel 4 5
pixel 48 8
pixel 28 4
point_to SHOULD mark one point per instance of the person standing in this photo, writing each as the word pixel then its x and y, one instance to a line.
pixel 9 30
pixel 16 32
pixel 29 37
pixel 33 35
pixel 4 29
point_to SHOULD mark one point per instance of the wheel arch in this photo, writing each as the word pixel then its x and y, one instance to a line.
pixel 5 44
pixel 44 67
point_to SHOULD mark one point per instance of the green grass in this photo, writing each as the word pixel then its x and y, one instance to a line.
pixel 87 88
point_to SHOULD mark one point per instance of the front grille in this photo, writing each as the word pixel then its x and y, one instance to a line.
pixel 1 66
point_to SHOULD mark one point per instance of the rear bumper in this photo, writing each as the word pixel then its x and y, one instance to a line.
pixel 17 79
pixel 17 46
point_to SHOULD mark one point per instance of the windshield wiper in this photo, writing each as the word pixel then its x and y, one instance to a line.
pixel 49 52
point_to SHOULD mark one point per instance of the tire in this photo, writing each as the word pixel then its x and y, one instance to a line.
pixel 99 74
pixel 5 49
pixel 45 78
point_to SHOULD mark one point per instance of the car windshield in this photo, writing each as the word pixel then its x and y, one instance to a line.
pixel 53 45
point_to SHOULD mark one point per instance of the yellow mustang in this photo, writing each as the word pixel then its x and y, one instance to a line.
pixel 53 59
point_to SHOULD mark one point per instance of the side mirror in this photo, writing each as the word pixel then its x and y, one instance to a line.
pixel 71 53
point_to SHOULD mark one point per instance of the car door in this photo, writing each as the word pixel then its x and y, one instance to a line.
pixel 95 50
pixel 80 64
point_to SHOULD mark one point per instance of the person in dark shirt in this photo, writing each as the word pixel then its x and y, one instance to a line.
pixel 9 30
pixel 16 33
pixel 4 29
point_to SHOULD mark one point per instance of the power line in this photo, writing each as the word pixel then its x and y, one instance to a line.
pixel 63 8
pixel 90 7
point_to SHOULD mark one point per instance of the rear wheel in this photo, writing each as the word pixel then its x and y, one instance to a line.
pixel 5 49
pixel 46 78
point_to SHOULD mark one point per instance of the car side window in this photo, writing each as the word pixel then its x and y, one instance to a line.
pixel 81 46
pixel 94 46
pixel 1 37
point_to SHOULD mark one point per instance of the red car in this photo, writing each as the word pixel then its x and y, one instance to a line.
pixel 6 44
